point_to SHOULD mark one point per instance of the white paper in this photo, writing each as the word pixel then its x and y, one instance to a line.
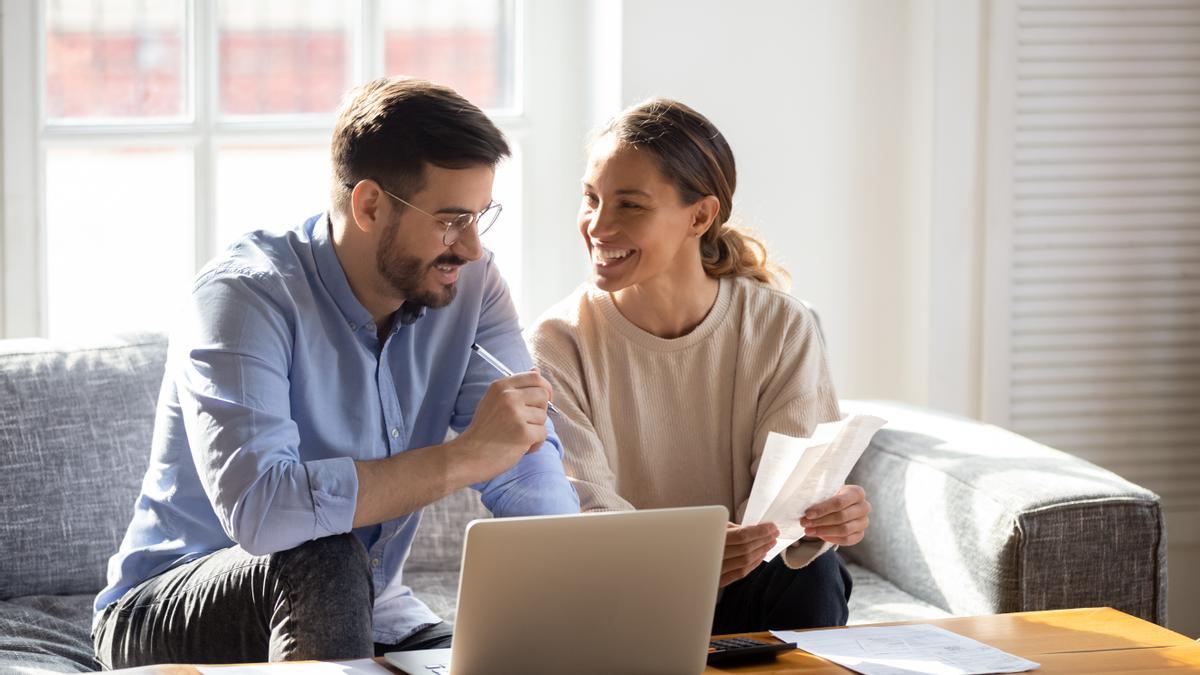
pixel 357 667
pixel 904 650
pixel 795 473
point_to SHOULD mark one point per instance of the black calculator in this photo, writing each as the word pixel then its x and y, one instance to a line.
pixel 739 650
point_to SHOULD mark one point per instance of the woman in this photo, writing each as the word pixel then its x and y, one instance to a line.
pixel 679 358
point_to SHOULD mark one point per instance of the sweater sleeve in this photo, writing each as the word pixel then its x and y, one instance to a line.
pixel 584 456
pixel 794 402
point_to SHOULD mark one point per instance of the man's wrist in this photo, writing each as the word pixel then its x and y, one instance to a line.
pixel 462 468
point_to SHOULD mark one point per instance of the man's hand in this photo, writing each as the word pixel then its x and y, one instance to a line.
pixel 745 546
pixel 509 422
pixel 842 519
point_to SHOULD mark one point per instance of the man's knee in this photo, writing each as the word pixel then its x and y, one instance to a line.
pixel 341 546
pixel 324 599
pixel 335 565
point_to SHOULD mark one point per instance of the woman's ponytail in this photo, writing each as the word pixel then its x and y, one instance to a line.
pixel 728 250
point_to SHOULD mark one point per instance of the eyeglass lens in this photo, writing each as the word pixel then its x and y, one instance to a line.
pixel 482 222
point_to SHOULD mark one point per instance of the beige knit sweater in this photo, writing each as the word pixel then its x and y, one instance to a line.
pixel 649 422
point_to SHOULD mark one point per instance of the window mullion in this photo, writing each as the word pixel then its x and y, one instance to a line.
pixel 22 279
pixel 368 42
pixel 204 106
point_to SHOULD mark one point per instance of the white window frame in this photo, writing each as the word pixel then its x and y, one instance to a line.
pixel 546 116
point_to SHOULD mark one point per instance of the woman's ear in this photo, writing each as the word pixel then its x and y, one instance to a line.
pixel 366 205
pixel 704 214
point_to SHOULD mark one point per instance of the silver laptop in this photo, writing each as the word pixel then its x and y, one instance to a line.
pixel 629 592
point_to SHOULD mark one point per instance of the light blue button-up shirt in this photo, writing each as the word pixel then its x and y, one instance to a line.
pixel 276 382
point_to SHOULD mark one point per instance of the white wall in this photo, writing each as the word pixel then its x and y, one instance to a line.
pixel 827 107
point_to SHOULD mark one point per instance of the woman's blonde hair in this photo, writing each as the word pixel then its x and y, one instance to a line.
pixel 694 156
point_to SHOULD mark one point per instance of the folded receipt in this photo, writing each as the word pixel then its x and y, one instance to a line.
pixel 795 473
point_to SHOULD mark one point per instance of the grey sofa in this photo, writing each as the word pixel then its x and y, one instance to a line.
pixel 968 518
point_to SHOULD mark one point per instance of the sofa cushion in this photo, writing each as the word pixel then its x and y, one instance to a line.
pixel 46 632
pixel 75 428
pixel 875 599
pixel 438 590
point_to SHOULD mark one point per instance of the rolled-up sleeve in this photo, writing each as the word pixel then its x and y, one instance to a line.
pixel 234 391
pixel 537 483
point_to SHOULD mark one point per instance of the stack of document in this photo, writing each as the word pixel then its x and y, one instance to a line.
pixel 906 650
pixel 795 473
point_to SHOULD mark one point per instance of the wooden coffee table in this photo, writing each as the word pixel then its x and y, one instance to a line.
pixel 1099 640
pixel 1064 641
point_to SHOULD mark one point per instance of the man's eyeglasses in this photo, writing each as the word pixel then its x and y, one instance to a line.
pixel 459 224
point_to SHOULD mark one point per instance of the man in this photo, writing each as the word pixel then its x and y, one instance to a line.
pixel 303 412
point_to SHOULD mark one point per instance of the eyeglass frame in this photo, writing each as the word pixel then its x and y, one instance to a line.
pixel 472 219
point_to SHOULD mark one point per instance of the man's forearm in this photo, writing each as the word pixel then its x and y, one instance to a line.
pixel 395 486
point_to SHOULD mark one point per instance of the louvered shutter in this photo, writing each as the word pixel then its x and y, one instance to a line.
pixel 1093 240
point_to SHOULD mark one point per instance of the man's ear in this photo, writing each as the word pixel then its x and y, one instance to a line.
pixel 367 205
pixel 704 214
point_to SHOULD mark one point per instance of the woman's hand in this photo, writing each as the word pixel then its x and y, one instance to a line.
pixel 842 519
pixel 745 546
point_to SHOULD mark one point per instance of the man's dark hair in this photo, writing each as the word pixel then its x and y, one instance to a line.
pixel 389 129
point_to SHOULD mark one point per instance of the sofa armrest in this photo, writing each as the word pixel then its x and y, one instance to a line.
pixel 978 520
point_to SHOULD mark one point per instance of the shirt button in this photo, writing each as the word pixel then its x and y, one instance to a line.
pixel 395 432
pixel 374 562
pixel 353 326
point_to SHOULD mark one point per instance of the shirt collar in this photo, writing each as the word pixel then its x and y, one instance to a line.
pixel 333 277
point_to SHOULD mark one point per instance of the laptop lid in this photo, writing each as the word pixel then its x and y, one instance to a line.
pixel 626 592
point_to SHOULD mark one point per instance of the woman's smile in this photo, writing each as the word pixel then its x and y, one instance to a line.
pixel 608 257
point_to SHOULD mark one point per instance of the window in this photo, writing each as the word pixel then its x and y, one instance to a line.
pixel 164 129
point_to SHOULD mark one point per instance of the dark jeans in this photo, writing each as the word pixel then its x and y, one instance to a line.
pixel 775 597
pixel 311 602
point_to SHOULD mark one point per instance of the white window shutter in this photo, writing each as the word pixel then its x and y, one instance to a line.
pixel 1092 315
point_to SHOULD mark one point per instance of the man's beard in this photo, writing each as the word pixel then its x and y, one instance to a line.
pixel 406 274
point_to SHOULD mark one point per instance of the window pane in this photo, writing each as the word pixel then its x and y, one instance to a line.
pixel 282 56
pixel 119 238
pixel 504 238
pixel 115 58
pixel 466 44
pixel 261 187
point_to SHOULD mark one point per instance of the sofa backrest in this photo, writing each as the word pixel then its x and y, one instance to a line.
pixel 75 428
pixel 438 545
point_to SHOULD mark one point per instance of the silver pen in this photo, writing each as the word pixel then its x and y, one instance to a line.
pixel 504 370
